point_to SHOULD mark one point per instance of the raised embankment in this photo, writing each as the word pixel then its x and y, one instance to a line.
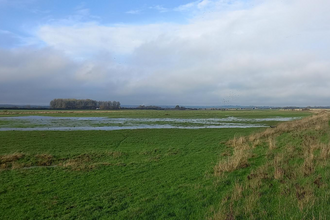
pixel 280 173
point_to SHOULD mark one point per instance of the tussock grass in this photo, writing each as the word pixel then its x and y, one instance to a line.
pixel 9 160
pixel 11 157
pixel 283 172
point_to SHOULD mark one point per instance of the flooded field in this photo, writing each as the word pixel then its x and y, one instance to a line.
pixel 41 123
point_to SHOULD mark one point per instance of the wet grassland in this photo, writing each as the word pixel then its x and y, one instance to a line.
pixel 155 113
pixel 222 173
pixel 128 119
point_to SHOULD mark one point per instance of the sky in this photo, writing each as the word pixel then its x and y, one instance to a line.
pixel 153 52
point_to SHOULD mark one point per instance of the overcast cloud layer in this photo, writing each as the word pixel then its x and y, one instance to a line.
pixel 256 52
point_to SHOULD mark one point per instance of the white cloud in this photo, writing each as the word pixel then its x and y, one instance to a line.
pixel 195 5
pixel 159 8
pixel 185 6
pixel 203 4
pixel 29 64
pixel 80 15
pixel 265 52
pixel 37 76
pixel 91 38
pixel 134 12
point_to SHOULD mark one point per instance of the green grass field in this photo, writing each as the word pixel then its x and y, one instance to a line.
pixel 168 173
pixel 157 113
pixel 120 174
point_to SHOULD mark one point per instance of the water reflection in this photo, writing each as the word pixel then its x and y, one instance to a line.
pixel 42 123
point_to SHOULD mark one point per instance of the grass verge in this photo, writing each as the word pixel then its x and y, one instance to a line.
pixel 280 173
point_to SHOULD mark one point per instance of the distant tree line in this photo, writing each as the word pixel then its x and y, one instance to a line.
pixel 83 104
pixel 177 107
pixel 150 107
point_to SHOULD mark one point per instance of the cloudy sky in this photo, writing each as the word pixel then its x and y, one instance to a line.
pixel 153 52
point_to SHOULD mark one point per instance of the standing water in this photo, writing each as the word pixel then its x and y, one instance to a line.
pixel 43 123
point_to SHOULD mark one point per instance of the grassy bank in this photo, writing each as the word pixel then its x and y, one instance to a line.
pixel 280 173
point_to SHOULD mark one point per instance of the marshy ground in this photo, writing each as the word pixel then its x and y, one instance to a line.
pixel 227 173
pixel 44 123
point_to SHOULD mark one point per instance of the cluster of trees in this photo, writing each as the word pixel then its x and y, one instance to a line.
pixel 177 107
pixel 108 104
pixel 150 107
pixel 83 104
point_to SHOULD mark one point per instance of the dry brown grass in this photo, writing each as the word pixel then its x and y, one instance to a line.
pixel 272 143
pixel 9 161
pixel 87 162
pixel 278 173
pixel 237 191
pixel 324 152
pixel 79 162
pixel 44 159
pixel 242 149
pixel 318 121
pixel 308 166
pixel 304 196
pixel 73 164
pixel 278 170
pixel 239 159
pixel 236 142
pixel 223 212
pixel 11 157
pixel 16 165
pixel 116 154
pixel 251 201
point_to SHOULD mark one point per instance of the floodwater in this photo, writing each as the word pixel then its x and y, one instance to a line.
pixel 44 123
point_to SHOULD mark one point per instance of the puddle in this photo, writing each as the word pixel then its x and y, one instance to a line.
pixel 42 123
